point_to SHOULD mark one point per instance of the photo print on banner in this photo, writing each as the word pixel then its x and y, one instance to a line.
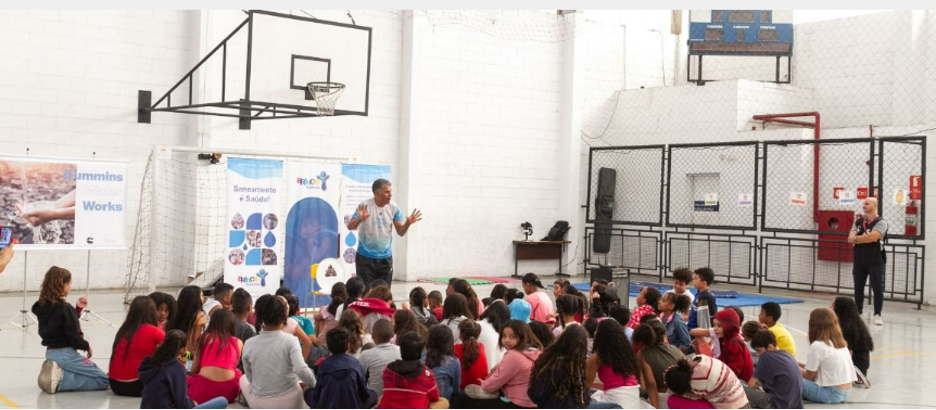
pixel 253 205
pixel 64 204
pixel 311 227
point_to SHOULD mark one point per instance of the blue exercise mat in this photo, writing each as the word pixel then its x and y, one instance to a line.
pixel 736 298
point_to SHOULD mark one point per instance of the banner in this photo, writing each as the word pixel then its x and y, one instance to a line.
pixel 356 182
pixel 64 204
pixel 312 224
pixel 254 204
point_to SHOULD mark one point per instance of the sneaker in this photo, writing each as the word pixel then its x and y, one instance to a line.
pixel 476 392
pixel 50 376
pixel 861 379
pixel 878 321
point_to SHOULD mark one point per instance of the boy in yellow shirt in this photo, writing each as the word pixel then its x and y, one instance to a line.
pixel 770 315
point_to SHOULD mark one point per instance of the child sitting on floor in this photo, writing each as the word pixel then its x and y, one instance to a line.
pixel 214 371
pixel 703 383
pixel 273 362
pixel 64 368
pixel 341 382
pixel 778 374
pixel 828 373
pixel 407 383
pixel 770 316
pixel 672 306
pixel 136 339
pixel 435 304
pixel 682 278
pixel 220 299
pixel 165 308
pixel 470 352
pixel 163 377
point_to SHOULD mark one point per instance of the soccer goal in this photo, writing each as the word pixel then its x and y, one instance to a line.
pixel 180 231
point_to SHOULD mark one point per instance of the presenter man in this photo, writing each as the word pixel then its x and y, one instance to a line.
pixel 375 220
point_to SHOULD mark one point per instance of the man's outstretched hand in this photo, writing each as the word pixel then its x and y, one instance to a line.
pixel 416 216
pixel 362 212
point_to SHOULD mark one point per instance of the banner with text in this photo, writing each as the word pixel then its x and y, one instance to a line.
pixel 311 225
pixel 64 204
pixel 254 204
pixel 356 182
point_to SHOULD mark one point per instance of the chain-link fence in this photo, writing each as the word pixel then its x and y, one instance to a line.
pixel 637 188
pixel 811 186
pixel 901 162
pixel 811 191
pixel 712 185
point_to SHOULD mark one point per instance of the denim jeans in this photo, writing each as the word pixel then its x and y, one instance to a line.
pixel 78 372
pixel 598 405
pixel 823 394
pixel 215 403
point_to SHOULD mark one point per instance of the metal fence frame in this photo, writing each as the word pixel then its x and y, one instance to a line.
pixel 817 143
pixel 721 237
pixel 763 240
pixel 625 232
pixel 880 175
pixel 663 179
pixel 668 182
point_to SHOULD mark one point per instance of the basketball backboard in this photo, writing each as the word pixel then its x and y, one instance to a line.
pixel 281 55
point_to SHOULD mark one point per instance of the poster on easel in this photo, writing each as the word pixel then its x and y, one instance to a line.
pixel 63 203
pixel 356 183
pixel 253 224
pixel 312 222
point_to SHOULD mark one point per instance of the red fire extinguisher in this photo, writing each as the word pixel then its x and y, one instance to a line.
pixel 910 229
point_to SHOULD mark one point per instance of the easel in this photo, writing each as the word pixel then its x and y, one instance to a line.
pixel 27 315
pixel 86 312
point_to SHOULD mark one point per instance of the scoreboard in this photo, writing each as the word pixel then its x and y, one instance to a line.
pixel 741 32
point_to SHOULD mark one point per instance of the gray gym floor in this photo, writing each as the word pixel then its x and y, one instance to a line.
pixel 901 365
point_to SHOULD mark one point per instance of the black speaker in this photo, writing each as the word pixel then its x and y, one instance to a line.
pixel 604 210
pixel 601 272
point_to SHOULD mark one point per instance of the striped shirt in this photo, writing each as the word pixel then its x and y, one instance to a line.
pixel 713 381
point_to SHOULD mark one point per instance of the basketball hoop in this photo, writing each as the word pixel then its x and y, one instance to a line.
pixel 325 95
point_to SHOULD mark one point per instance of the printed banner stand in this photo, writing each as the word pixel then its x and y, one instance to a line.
pixel 254 204
pixel 312 224
pixel 64 204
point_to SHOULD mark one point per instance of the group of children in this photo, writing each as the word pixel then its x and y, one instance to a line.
pixel 514 349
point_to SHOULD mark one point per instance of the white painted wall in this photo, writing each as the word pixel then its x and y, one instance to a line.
pixel 484 150
pixel 68 88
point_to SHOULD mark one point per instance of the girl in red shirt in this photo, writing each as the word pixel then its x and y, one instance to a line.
pixel 471 353
pixel 136 340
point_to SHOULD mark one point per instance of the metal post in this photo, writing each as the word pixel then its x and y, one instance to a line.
pixel 86 312
pixel 27 316
pixel 152 267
